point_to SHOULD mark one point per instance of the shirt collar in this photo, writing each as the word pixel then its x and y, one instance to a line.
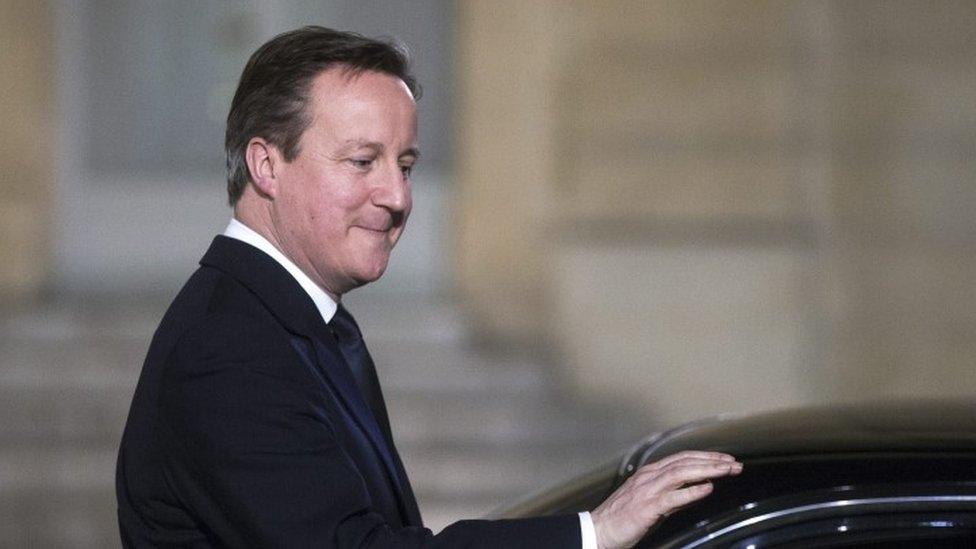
pixel 323 302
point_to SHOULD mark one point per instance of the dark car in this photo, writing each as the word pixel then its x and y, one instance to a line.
pixel 877 475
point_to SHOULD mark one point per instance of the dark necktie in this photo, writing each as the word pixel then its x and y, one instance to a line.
pixel 353 348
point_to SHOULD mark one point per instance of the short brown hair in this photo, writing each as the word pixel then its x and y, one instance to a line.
pixel 272 96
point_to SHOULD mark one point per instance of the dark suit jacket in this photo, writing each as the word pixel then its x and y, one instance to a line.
pixel 246 430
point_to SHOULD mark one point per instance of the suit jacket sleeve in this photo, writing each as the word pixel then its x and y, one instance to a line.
pixel 256 457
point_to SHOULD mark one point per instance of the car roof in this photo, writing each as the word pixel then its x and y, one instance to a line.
pixel 811 457
pixel 799 457
pixel 902 426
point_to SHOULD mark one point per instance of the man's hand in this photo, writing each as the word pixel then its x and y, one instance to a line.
pixel 656 490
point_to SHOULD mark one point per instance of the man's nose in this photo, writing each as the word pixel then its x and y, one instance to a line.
pixel 393 191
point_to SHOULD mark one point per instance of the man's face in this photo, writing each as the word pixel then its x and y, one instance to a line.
pixel 342 203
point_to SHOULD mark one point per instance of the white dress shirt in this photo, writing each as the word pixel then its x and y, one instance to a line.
pixel 327 308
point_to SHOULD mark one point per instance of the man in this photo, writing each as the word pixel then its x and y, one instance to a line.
pixel 258 420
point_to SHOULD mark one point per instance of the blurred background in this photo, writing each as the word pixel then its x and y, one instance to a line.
pixel 629 214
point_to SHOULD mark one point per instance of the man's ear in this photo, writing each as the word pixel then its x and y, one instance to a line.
pixel 263 159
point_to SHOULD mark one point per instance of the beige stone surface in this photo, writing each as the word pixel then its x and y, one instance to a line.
pixel 689 22
pixel 823 148
pixel 672 114
pixel 26 142
pixel 23 262
pixel 905 325
pixel 674 93
pixel 683 113
pixel 891 26
pixel 684 332
pixel 684 185
pixel 903 193
pixel 507 63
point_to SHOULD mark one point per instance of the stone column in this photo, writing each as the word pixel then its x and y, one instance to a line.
pixel 510 59
pixel 27 63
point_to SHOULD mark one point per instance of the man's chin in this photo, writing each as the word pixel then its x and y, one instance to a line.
pixel 369 274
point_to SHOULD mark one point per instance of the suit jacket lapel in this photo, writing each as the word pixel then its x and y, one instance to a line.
pixel 337 371
pixel 269 281
pixel 289 303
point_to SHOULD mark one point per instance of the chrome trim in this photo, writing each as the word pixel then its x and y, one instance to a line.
pixel 632 461
pixel 627 464
pixel 826 505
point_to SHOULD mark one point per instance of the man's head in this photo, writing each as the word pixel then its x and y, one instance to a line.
pixel 272 96
pixel 323 132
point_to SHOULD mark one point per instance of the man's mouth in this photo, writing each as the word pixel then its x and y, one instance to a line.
pixel 381 225
pixel 382 229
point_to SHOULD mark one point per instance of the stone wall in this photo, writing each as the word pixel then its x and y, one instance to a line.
pixel 902 303
pixel 714 207
pixel 26 145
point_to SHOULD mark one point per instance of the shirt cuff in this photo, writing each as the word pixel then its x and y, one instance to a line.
pixel 587 530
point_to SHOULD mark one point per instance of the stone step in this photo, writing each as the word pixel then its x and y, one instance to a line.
pixel 74 407
pixel 86 518
pixel 406 318
pixel 56 493
pixel 524 418
pixel 505 471
pixel 95 362
pixel 91 415
pixel 95 417
pixel 476 429
pixel 439 512
pixel 57 466
pixel 66 408
pixel 443 468
pixel 452 367
pixel 412 317
pixel 79 518
pixel 113 364
pixel 64 321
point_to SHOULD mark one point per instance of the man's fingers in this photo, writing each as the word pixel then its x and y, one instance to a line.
pixel 683 462
pixel 693 454
pixel 656 490
pixel 676 476
pixel 677 499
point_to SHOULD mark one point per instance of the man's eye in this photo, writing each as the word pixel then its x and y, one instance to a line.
pixel 406 170
pixel 361 163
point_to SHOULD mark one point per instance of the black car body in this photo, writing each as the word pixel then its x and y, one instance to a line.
pixel 875 475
